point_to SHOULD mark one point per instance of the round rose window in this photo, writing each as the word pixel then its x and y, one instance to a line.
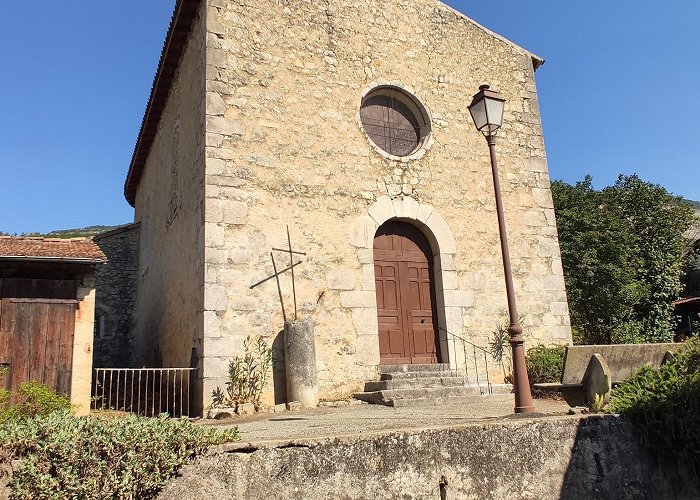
pixel 394 121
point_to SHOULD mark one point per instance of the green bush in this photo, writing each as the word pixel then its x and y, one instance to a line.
pixel 4 402
pixel 664 406
pixel 545 364
pixel 32 399
pixel 247 375
pixel 104 457
pixel 624 251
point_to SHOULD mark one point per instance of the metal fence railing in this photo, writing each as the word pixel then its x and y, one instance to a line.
pixel 144 391
pixel 471 360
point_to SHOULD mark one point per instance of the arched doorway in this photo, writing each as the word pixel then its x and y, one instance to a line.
pixel 403 270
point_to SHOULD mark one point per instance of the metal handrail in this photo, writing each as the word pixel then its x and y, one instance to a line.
pixel 465 340
pixel 476 366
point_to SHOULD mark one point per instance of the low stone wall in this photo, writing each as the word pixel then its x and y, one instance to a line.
pixel 116 282
pixel 624 360
pixel 563 457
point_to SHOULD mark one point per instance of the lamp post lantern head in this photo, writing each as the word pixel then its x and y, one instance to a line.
pixel 487 110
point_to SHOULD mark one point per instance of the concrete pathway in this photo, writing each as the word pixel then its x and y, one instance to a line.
pixel 359 419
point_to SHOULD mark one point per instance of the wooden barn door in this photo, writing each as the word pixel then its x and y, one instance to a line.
pixel 37 323
pixel 403 271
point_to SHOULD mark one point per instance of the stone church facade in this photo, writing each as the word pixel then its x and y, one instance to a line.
pixel 346 122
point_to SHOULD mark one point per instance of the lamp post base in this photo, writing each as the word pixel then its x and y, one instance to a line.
pixel 521 383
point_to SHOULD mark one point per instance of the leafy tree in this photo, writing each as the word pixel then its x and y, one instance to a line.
pixel 624 252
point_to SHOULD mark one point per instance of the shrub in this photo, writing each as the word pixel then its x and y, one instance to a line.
pixel 247 375
pixel 545 364
pixel 32 399
pixel 4 402
pixel 664 406
pixel 499 348
pixel 103 457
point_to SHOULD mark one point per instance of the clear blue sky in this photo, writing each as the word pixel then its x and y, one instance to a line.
pixel 619 93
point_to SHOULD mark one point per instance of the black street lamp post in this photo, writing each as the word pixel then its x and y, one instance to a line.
pixel 486 109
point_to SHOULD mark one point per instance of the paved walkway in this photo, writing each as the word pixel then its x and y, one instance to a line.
pixel 359 419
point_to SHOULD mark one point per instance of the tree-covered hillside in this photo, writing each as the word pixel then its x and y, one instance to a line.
pixel 696 204
pixel 82 232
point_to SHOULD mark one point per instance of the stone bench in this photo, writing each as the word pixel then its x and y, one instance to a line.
pixel 590 369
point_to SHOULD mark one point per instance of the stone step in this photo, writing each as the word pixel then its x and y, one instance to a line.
pixel 435 367
pixel 415 382
pixel 418 396
pixel 424 402
pixel 418 375
pixel 500 389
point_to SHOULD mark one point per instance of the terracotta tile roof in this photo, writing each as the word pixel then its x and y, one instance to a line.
pixel 29 248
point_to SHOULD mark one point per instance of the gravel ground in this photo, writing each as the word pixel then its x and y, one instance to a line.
pixel 358 419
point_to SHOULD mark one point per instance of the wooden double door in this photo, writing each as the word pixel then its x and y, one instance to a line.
pixel 37 323
pixel 403 270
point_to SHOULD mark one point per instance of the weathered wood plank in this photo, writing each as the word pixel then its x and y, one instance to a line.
pixel 6 330
pixel 23 325
pixel 39 288
pixel 53 346
pixel 37 341
pixel 65 360
pixel 5 343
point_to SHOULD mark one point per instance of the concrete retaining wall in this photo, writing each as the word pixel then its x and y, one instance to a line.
pixel 569 458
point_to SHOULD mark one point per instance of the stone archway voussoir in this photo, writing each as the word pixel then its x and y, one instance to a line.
pixel 405 208
pixel 382 210
pixel 442 233
pixel 362 231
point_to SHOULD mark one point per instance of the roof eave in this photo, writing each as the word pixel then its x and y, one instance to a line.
pixel 537 61
pixel 62 260
pixel 173 47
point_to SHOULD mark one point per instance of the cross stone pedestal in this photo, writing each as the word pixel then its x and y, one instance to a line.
pixel 300 356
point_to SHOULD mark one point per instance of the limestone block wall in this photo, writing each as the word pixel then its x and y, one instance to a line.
pixel 116 282
pixel 81 377
pixel 169 207
pixel 284 146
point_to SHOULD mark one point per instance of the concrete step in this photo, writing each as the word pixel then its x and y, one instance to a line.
pixel 415 382
pixel 419 396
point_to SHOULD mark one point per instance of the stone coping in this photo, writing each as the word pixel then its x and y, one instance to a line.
pixel 512 421
pixel 318 425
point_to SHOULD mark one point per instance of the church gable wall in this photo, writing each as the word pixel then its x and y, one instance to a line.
pixel 284 146
pixel 168 319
